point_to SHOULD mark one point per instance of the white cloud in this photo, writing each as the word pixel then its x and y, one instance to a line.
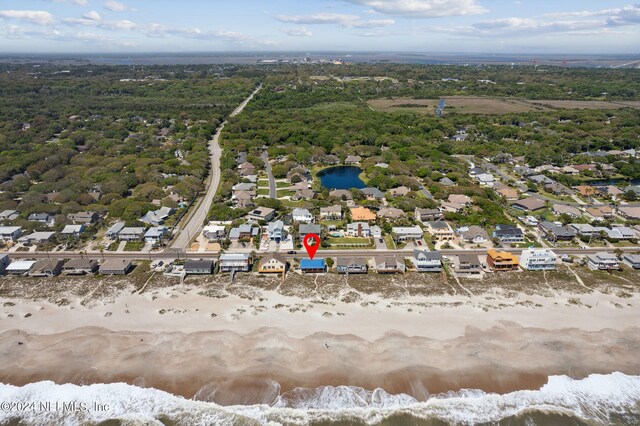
pixel 114 6
pixel 423 8
pixel 348 21
pixel 39 17
pixel 92 16
pixel 78 2
pixel 17 32
pixel 297 32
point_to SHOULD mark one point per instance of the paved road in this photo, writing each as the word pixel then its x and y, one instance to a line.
pixel 181 254
pixel 191 228
pixel 272 180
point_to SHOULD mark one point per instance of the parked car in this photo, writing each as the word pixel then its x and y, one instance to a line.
pixel 291 252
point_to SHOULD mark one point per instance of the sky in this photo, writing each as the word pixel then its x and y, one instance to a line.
pixel 461 26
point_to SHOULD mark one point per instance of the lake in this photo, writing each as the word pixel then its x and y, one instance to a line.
pixel 341 177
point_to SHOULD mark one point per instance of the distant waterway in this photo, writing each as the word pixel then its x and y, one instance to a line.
pixel 341 177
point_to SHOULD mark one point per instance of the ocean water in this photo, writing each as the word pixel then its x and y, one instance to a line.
pixel 596 400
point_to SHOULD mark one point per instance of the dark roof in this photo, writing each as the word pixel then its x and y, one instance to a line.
pixel 198 264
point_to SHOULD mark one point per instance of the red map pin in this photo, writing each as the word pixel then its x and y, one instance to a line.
pixel 311 248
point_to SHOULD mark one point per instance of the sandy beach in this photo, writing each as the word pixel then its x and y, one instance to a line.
pixel 247 342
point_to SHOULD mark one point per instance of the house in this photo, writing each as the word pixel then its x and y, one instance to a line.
pixel 440 230
pixel 80 267
pixel 264 214
pixel 115 267
pixel 114 230
pixel 238 262
pixel 372 193
pixel 272 264
pixel 351 265
pixel 529 204
pixel 84 218
pixel 501 261
pixel 485 179
pixel 155 235
pixel 352 159
pixel 631 213
pixel 342 194
pixel 610 191
pixel 45 218
pixel 198 267
pixel 331 213
pixel 8 215
pixel 244 186
pixel 603 261
pixel 359 229
pixel 46 268
pixel 72 231
pixel 309 228
pixel 460 199
pixel 621 233
pixel 36 237
pixel 446 182
pixel 299 174
pixel 427 261
pixel 586 230
pixel 600 212
pixel 246 169
pixel 468 264
pixel 452 207
pixel 538 260
pixel 131 234
pixel 376 231
pixel 586 190
pixel 473 234
pixel 540 179
pixel 362 214
pixel 4 262
pixel 632 260
pixel 509 194
pixel 390 213
pixel 302 215
pixel 214 232
pixel 557 232
pixel 243 199
pixel 303 194
pixel 243 232
pixel 276 231
pixel 315 266
pixel 508 234
pixel 399 192
pixel 157 218
pixel 425 215
pixel 557 188
pixel 20 267
pixel 408 233
pixel 560 209
pixel 389 265
pixel 475 171
pixel 10 234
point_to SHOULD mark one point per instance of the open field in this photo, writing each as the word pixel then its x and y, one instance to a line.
pixel 486 105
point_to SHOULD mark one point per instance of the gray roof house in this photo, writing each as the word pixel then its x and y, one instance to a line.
pixel 46 268
pixel 157 217
pixel 352 265
pixel 115 267
pixel 198 267
pixel 80 267
pixel 427 261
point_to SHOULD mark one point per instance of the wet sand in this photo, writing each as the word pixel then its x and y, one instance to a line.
pixel 229 368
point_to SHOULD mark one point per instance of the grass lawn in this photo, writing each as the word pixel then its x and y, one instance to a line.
pixel 282 184
pixel 262 191
pixel 285 193
pixel 264 182
pixel 388 239
pixel 113 246
pixel 349 240
pixel 134 246
pixel 337 223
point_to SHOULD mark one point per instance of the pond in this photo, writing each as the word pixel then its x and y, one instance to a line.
pixel 341 177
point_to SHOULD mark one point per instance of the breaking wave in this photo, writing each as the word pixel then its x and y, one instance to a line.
pixel 598 399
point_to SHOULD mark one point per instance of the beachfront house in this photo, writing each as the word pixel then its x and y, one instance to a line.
pixel 20 267
pixel 4 262
pixel 603 261
pixel 80 267
pixel 632 260
pixel 500 261
pixel 468 265
pixel 538 260
pixel 272 264
pixel 115 267
pixel 352 265
pixel 239 262
pixel 427 261
pixel 389 264
pixel 315 266
pixel 198 267
pixel 46 268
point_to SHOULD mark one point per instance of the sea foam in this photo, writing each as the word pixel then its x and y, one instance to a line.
pixel 596 398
